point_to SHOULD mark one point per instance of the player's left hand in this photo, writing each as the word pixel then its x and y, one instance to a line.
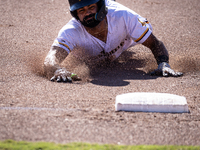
pixel 165 70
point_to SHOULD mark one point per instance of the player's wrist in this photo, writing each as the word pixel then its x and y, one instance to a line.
pixel 162 58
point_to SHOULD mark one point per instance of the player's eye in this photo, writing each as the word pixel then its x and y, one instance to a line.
pixel 92 7
pixel 80 11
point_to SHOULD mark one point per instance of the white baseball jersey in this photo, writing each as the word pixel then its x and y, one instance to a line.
pixel 125 29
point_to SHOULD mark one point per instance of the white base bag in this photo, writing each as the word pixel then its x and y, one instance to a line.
pixel 151 102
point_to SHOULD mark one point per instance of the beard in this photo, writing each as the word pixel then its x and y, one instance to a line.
pixel 91 23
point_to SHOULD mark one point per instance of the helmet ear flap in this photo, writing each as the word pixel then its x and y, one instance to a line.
pixel 101 13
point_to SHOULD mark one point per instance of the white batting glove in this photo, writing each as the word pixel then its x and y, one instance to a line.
pixel 165 71
pixel 62 75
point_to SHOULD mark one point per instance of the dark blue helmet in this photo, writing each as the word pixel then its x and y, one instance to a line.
pixel 76 4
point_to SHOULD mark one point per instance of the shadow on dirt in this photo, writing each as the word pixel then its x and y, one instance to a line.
pixel 114 78
pixel 117 72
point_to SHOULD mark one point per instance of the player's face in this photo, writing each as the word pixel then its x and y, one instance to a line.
pixel 87 13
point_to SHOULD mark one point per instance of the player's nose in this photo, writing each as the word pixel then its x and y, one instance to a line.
pixel 87 12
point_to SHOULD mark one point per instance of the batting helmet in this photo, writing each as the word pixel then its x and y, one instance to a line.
pixel 76 4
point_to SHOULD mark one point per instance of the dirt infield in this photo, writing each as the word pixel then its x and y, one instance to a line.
pixel 34 109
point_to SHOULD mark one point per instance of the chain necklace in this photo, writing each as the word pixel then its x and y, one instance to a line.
pixel 106 28
pixel 102 35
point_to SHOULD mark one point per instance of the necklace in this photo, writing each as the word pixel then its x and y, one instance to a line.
pixel 100 31
pixel 102 35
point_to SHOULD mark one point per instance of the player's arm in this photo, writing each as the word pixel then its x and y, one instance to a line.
pixel 52 68
pixel 158 49
pixel 162 57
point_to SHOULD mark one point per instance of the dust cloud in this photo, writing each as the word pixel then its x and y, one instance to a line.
pixel 34 61
pixel 85 67
pixel 185 64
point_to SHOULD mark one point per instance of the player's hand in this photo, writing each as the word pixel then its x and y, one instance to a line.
pixel 62 75
pixel 165 71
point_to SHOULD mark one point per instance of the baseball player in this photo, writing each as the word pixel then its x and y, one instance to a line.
pixel 103 29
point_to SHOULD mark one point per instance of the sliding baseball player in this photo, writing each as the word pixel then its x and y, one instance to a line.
pixel 103 29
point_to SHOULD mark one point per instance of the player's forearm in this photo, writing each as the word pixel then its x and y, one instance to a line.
pixel 158 49
pixel 160 52
pixel 53 59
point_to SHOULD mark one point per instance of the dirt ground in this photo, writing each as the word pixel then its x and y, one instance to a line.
pixel 32 108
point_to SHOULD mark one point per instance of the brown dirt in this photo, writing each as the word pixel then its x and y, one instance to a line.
pixel 84 111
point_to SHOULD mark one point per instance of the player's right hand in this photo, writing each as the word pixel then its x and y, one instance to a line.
pixel 62 75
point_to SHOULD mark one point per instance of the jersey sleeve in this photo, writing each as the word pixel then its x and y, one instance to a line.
pixel 63 42
pixel 65 38
pixel 138 27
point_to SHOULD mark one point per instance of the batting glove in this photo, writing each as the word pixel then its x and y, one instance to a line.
pixel 62 75
pixel 165 71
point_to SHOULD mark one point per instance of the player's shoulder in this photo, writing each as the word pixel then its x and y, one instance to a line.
pixel 115 8
pixel 73 26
